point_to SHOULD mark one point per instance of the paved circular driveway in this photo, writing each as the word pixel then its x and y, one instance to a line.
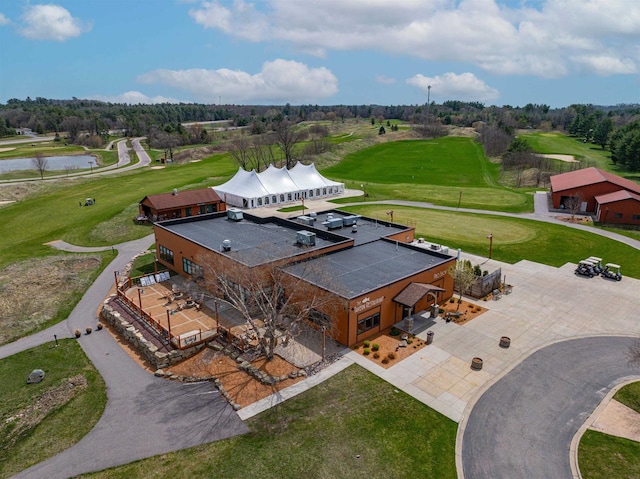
pixel 522 426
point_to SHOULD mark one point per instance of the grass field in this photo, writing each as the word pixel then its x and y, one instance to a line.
pixel 553 142
pixel 446 171
pixel 352 425
pixel 629 395
pixel 602 456
pixel 55 214
pixel 514 239
pixel 64 417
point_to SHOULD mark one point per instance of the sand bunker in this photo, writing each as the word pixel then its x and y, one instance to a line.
pixel 567 158
pixel 157 167
pixel 2 150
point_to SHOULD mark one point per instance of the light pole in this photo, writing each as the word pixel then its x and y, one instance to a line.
pixel 364 191
pixel 91 167
pixel 428 101
pixel 490 237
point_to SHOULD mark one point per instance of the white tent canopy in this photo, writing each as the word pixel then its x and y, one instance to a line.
pixel 276 185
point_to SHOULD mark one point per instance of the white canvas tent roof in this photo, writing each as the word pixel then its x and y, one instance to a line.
pixel 307 177
pixel 246 186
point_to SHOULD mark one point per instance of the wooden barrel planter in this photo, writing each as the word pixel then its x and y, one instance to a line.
pixel 476 364
pixel 505 341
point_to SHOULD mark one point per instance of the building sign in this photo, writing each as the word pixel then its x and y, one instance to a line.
pixel 439 275
pixel 366 303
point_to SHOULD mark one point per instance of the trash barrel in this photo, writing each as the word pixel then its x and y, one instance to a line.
pixel 429 337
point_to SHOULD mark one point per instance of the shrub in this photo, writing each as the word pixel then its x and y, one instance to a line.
pixel 391 355
pixel 440 311
pixel 385 360
pixel 376 355
pixel 366 351
pixel 452 300
pixel 409 341
pixel 367 343
pixel 459 300
pixel 375 346
pixel 394 332
pixel 99 326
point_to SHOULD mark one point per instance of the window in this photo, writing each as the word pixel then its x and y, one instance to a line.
pixel 330 189
pixel 324 191
pixel 192 268
pixel 266 200
pixel 203 209
pixel 274 199
pixel 259 201
pixel 636 217
pixel 209 208
pixel 319 318
pixel 281 198
pixel 166 254
pixel 618 216
pixel 318 192
pixel 289 196
pixel 188 211
pixel 310 193
pixel 369 322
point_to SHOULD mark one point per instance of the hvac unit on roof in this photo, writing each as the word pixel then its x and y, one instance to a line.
pixel 234 214
pixel 307 220
pixel 350 220
pixel 306 238
pixel 333 223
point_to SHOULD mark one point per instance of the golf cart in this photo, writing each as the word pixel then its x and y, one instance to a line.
pixel 585 268
pixel 597 264
pixel 611 271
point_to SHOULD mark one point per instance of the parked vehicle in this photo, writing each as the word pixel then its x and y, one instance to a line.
pixel 597 264
pixel 611 271
pixel 585 268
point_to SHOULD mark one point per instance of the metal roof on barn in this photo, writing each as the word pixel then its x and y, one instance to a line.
pixel 590 176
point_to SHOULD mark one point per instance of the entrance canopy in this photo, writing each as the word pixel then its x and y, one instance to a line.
pixel 276 185
pixel 413 293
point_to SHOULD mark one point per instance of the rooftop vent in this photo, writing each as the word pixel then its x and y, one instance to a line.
pixel 234 214
pixel 313 214
pixel 175 191
pixel 226 245
pixel 306 238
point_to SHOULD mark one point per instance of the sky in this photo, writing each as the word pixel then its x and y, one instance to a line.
pixel 324 52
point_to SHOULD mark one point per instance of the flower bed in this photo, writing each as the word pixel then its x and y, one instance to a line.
pixel 388 351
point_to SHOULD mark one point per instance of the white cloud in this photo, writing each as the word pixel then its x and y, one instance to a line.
pixel 465 86
pixel 385 80
pixel 541 40
pixel 4 20
pixel 50 22
pixel 279 81
pixel 605 65
pixel 135 97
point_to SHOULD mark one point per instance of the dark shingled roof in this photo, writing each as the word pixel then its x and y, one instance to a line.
pixel 413 293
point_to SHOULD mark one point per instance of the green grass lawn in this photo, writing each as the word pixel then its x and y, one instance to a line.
pixel 352 425
pixel 63 425
pixel 55 213
pixel 446 171
pixel 554 142
pixel 602 456
pixel 514 239
pixel 629 395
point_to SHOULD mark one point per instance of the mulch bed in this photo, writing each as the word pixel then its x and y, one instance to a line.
pixel 390 345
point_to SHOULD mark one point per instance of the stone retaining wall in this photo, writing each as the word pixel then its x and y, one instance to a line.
pixel 134 337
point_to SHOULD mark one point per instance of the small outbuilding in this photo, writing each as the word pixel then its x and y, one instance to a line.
pixel 180 204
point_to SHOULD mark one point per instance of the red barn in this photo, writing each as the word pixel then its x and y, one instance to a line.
pixel 599 190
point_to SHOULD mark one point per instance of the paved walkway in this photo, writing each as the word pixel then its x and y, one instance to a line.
pixel 144 415
pixel 523 426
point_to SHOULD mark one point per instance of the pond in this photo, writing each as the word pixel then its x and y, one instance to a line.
pixel 53 163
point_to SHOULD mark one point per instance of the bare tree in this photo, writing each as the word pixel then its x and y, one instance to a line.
pixel 463 277
pixel 574 204
pixel 274 303
pixel 239 151
pixel 40 163
pixel 287 136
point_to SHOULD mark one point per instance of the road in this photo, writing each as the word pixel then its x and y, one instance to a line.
pixel 144 415
pixel 523 425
